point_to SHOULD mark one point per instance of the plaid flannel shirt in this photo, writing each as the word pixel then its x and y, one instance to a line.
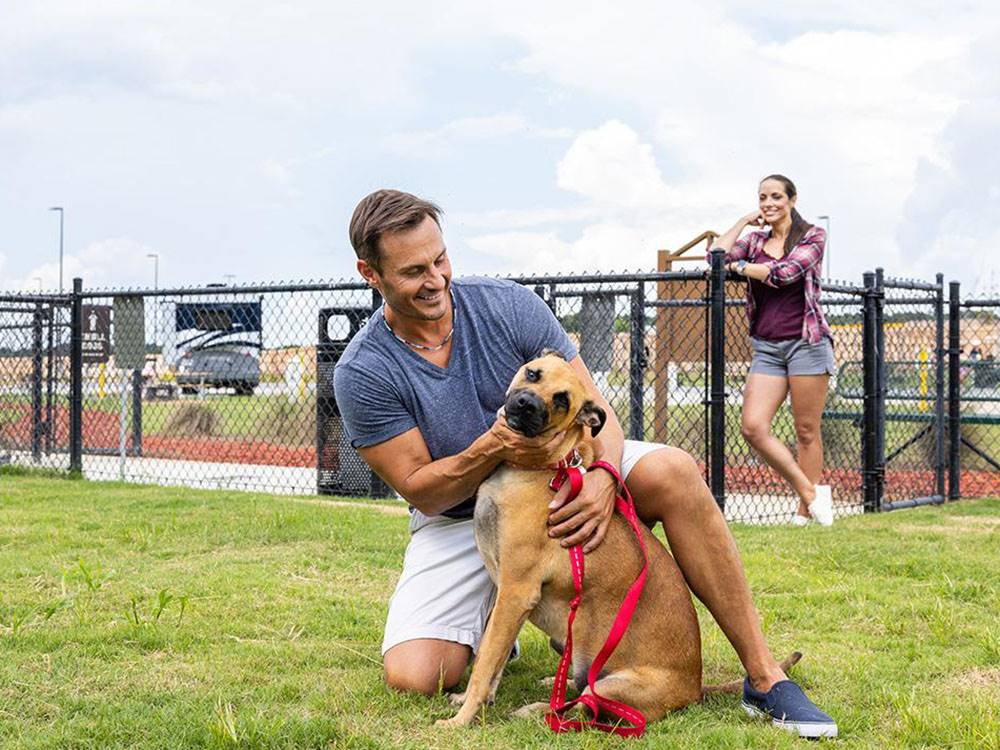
pixel 805 262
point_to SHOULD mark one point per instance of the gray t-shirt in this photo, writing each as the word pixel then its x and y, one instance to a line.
pixel 384 388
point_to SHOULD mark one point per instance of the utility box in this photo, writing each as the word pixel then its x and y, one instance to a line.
pixel 597 330
pixel 339 468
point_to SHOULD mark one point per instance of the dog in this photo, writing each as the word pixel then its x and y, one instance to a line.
pixel 657 666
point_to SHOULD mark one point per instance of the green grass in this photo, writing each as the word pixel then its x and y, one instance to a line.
pixel 147 617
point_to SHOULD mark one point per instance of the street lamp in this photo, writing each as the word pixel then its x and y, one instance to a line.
pixel 60 210
pixel 826 221
pixel 230 277
pixel 156 286
pixel 39 280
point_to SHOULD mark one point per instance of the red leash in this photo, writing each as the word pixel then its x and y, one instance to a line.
pixel 593 701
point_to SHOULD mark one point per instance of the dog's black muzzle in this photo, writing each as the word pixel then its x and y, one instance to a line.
pixel 526 412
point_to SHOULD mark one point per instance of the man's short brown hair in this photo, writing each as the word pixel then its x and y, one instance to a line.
pixel 386 211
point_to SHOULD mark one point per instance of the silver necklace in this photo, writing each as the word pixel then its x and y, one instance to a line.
pixel 422 347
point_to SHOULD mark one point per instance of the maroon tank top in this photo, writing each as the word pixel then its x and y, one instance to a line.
pixel 779 310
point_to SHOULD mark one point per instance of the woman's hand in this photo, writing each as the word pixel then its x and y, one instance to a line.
pixel 755 219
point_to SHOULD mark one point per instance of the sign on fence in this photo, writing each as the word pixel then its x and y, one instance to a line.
pixel 96 333
pixel 130 332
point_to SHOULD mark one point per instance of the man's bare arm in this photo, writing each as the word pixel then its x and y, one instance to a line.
pixel 434 486
pixel 611 441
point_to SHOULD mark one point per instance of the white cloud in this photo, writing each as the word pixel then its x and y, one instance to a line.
pixel 670 113
pixel 113 262
pixel 438 142
pixel 611 166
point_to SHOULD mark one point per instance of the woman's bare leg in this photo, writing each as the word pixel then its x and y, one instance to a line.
pixel 808 393
pixel 762 396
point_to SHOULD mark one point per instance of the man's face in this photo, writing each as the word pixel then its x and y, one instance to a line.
pixel 415 273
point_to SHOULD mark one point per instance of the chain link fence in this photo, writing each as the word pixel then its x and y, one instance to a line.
pixel 231 387
pixel 911 335
pixel 34 378
pixel 975 419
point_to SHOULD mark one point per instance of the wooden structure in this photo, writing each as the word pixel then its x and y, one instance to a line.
pixel 681 331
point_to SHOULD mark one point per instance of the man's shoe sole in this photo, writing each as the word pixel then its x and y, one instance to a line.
pixel 809 730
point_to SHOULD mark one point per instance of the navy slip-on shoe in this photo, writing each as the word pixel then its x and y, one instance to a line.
pixel 788 708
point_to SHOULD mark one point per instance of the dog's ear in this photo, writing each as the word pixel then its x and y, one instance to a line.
pixel 593 415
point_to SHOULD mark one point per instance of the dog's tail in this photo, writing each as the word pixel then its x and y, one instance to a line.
pixel 737 685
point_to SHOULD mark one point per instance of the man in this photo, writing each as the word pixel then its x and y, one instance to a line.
pixel 419 389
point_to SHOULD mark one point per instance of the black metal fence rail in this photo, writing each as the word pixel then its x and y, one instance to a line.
pixel 232 386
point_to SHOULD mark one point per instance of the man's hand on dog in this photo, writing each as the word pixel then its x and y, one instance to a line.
pixel 585 520
pixel 525 451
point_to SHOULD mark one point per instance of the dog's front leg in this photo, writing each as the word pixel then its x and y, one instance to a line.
pixel 513 605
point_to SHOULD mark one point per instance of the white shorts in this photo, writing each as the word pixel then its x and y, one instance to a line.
pixel 444 591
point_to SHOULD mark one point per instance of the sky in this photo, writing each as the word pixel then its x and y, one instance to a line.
pixel 233 139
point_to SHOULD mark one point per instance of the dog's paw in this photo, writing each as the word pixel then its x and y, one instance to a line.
pixel 456 699
pixel 452 722
pixel 531 710
pixel 547 682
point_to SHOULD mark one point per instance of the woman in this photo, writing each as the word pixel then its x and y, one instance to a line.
pixel 792 343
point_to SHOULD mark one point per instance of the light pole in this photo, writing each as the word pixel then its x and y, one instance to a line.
pixel 229 277
pixel 156 286
pixel 60 210
pixel 826 221
pixel 39 280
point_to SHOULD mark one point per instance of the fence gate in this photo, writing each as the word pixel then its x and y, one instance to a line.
pixel 974 396
pixel 34 378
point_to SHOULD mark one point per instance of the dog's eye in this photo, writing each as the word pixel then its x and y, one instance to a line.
pixel 533 376
pixel 561 400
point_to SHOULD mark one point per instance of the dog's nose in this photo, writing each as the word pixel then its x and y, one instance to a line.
pixel 526 412
pixel 524 401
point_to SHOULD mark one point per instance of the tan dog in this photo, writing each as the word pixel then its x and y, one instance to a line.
pixel 657 666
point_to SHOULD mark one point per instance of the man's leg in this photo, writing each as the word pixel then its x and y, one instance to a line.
pixel 668 487
pixel 425 665
pixel 439 609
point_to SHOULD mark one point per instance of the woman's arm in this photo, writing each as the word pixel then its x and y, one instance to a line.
pixel 731 237
pixel 807 254
pixel 804 256
pixel 758 271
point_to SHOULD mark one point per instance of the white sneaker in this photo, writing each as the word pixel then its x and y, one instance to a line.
pixel 821 508
pixel 798 520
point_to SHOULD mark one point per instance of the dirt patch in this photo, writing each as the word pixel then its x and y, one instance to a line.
pixel 981 521
pixel 192 420
pixel 980 678
pixel 391 510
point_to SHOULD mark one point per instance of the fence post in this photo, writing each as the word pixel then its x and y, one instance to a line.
pixel 954 391
pixel 637 363
pixel 36 383
pixel 881 386
pixel 76 379
pixel 717 398
pixel 869 486
pixel 939 390
pixel 137 412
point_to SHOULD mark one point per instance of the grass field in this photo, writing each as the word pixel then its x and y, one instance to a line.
pixel 147 617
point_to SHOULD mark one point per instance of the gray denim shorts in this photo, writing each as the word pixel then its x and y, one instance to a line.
pixel 792 357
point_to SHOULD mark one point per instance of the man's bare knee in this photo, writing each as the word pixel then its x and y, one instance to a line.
pixel 427 667
pixel 665 479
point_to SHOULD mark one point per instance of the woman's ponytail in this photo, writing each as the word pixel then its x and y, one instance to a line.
pixel 798 230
